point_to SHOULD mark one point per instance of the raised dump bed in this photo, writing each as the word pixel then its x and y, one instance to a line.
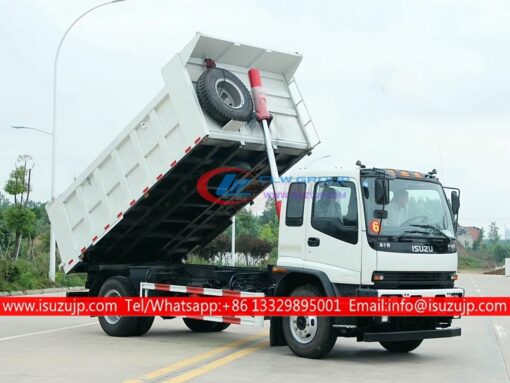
pixel 137 203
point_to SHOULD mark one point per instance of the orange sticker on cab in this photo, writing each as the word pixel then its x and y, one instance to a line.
pixel 375 226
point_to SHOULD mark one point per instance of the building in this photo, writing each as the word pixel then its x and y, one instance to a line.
pixel 466 235
pixel 507 234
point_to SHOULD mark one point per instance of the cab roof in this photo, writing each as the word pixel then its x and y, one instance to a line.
pixel 355 172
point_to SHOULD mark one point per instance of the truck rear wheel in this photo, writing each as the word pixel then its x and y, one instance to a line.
pixel 401 346
pixel 309 336
pixel 144 325
pixel 197 325
pixel 117 325
pixel 221 326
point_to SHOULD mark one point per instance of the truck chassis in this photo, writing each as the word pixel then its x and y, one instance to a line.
pixel 400 334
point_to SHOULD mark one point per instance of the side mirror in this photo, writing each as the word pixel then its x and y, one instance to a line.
pixel 455 202
pixel 382 191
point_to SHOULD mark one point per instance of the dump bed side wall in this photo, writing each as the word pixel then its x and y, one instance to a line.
pixel 120 176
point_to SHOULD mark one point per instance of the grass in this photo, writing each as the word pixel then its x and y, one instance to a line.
pixel 469 262
pixel 33 274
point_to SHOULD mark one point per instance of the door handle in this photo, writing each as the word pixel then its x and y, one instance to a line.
pixel 314 242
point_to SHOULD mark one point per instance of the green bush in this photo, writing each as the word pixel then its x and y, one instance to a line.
pixel 33 274
pixel 501 251
pixel 70 280
pixel 469 262
pixel 9 272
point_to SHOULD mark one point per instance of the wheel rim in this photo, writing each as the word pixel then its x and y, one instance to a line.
pixel 303 328
pixel 229 93
pixel 112 319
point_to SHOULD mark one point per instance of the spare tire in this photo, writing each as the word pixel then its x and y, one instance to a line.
pixel 223 96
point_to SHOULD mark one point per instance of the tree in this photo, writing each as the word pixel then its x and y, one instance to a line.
pixel 501 252
pixel 494 236
pixel 260 249
pixel 269 233
pixel 269 213
pixel 218 247
pixel 253 248
pixel 4 202
pixel 246 223
pixel 19 218
pixel 478 241
pixel 4 231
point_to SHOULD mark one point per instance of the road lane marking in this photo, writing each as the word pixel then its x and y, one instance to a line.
pixel 46 331
pixel 500 330
pixel 217 363
pixel 198 358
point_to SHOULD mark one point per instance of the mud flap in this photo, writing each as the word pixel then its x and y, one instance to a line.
pixel 276 337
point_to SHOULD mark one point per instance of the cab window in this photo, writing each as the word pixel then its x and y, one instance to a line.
pixel 335 210
pixel 295 204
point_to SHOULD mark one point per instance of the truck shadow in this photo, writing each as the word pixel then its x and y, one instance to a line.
pixel 372 354
pixel 369 356
pixel 376 355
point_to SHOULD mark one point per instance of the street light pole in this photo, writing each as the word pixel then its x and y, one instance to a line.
pixel 51 273
pixel 30 128
pixel 233 250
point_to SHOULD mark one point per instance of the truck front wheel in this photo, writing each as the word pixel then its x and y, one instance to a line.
pixel 309 336
pixel 401 346
pixel 117 325
pixel 197 325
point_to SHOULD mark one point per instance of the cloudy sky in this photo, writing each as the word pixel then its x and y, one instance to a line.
pixel 403 84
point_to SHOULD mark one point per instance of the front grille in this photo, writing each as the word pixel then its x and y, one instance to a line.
pixel 414 279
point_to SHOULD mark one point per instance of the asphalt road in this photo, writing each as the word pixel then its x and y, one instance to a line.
pixel 76 350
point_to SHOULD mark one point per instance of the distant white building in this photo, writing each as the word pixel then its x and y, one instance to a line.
pixel 507 233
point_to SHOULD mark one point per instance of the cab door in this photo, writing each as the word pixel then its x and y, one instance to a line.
pixel 333 230
pixel 292 232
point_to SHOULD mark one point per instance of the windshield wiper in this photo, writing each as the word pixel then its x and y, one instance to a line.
pixel 402 236
pixel 434 229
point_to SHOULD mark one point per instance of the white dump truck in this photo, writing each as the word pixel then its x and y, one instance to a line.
pixel 195 155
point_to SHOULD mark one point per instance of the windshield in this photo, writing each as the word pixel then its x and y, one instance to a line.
pixel 416 208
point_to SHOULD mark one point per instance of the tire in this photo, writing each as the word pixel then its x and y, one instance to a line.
pixel 121 326
pixel 401 346
pixel 144 325
pixel 221 326
pixel 224 97
pixel 309 337
pixel 197 325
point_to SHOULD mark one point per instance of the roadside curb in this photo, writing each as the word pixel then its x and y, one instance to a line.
pixel 41 291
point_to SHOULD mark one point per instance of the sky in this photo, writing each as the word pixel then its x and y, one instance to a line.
pixel 401 84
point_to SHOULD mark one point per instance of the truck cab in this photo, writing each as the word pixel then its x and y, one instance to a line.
pixel 368 232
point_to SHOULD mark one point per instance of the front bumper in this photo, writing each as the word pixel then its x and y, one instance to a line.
pixel 452 292
pixel 410 335
pixel 449 292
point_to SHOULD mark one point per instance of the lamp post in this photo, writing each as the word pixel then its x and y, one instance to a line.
pixel 53 133
pixel 30 128
pixel 233 250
